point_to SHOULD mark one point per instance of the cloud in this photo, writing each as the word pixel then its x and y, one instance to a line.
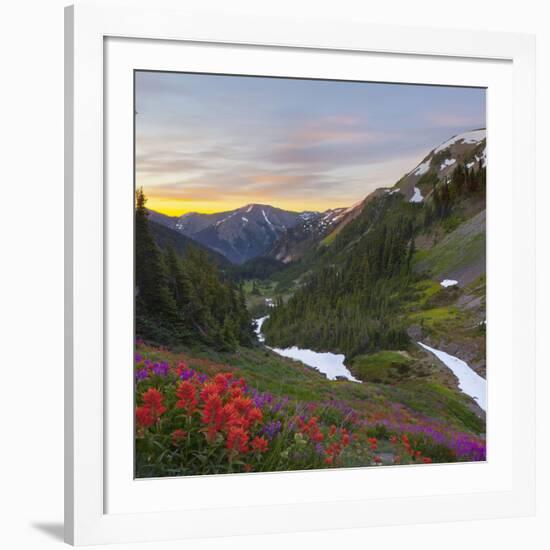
pixel 216 139
pixel 453 120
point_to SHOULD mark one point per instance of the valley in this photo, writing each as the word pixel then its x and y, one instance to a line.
pixel 369 318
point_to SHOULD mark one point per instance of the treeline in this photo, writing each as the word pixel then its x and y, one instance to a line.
pixel 353 306
pixel 184 299
pixel 446 194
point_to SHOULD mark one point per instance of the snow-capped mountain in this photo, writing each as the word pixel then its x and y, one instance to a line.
pixel 306 233
pixel 261 230
pixel 468 148
pixel 240 234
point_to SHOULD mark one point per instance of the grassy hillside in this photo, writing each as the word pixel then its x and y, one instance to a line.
pixel 294 417
pixel 460 255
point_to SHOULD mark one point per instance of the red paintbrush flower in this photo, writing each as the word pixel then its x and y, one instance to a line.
pixel 235 392
pixel 144 418
pixel 237 440
pixel 259 444
pixel 187 396
pixel 212 409
pixel 153 399
pixel 242 405
pixel 222 381
pixel 317 436
pixel 209 390
pixel 254 415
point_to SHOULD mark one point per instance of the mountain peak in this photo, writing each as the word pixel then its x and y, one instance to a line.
pixel 239 234
pixel 471 137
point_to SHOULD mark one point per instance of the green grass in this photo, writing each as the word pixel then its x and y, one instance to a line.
pixel 381 367
pixel 420 256
pixel 269 372
pixel 463 246
pixel 435 316
pixel 279 375
pixel 478 287
pixel 427 290
pixel 329 239
pixel 437 401
pixel 255 302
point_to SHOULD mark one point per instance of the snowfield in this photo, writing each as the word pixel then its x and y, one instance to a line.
pixel 330 364
pixel 467 137
pixel 468 380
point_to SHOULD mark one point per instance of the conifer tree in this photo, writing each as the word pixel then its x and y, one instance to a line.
pixel 153 296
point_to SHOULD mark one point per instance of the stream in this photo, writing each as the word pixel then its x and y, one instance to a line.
pixel 330 364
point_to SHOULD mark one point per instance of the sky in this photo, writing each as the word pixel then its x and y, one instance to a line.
pixel 212 143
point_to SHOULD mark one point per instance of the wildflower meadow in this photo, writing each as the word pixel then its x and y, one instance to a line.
pixel 201 417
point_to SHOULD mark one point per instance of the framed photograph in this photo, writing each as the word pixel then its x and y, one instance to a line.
pixel 299 274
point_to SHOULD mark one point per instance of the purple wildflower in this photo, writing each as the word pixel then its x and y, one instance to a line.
pixel 161 369
pixel 271 429
pixel 142 374
pixel 187 374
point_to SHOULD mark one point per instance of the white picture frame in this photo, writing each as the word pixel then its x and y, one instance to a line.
pixel 93 430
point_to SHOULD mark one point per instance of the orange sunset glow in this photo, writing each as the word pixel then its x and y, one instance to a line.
pixel 213 143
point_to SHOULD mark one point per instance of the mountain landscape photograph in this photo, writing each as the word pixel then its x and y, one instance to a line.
pixel 310 274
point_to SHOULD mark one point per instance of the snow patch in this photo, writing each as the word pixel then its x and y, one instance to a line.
pixel 484 158
pixel 469 380
pixel 417 197
pixel 225 219
pixel 306 216
pixel 446 163
pixel 467 137
pixel 330 364
pixel 448 282
pixel 244 219
pixel 267 220
pixel 422 168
